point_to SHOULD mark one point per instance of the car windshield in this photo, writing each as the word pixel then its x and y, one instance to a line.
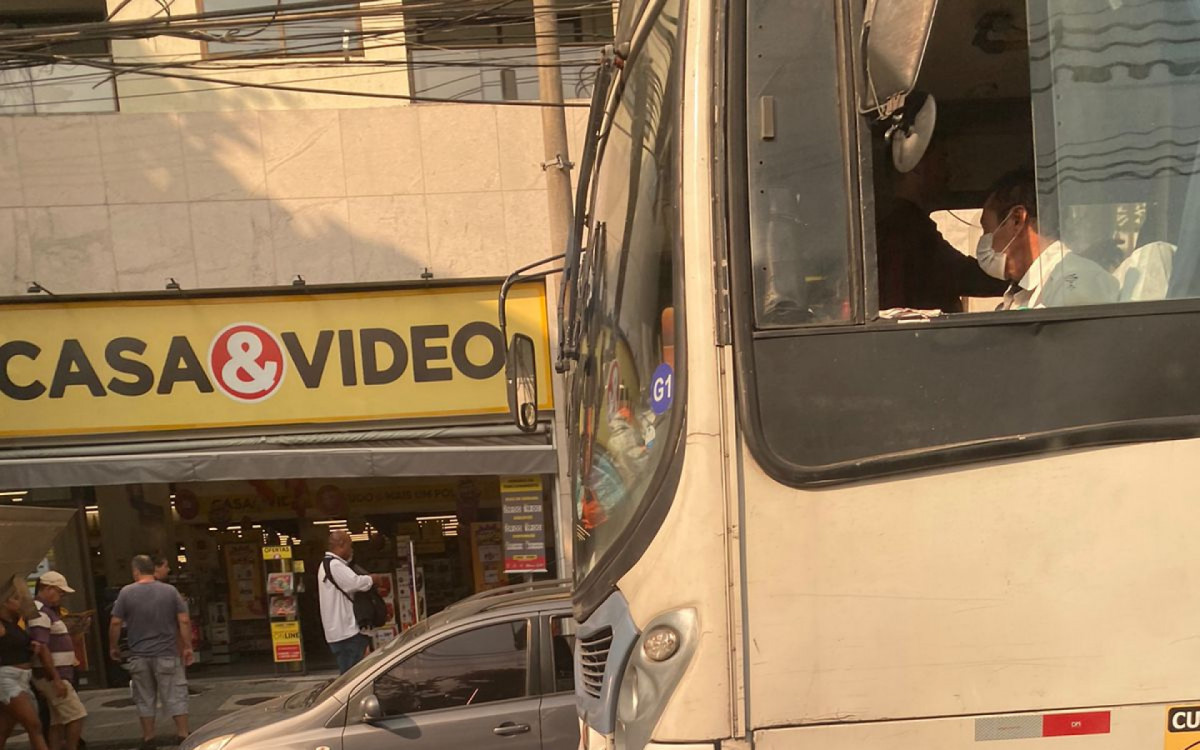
pixel 623 386
pixel 367 664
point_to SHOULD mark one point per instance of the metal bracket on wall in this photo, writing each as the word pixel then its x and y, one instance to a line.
pixel 557 163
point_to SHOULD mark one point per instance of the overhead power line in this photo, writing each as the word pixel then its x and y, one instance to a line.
pixel 240 28
pixel 315 90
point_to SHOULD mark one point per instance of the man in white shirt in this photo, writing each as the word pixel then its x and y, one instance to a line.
pixel 1043 271
pixel 337 584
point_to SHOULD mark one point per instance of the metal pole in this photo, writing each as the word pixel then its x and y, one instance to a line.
pixel 554 124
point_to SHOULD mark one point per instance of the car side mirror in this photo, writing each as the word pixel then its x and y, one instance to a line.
pixel 371 709
pixel 520 370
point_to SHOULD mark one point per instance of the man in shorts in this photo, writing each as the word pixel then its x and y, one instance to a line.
pixel 47 628
pixel 159 633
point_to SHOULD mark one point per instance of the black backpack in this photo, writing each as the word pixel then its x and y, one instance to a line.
pixel 369 608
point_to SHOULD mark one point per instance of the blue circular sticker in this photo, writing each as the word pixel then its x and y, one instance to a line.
pixel 662 389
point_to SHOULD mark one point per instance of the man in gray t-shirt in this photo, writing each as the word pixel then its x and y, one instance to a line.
pixel 159 633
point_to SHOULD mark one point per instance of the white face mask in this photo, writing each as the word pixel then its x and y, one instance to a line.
pixel 989 258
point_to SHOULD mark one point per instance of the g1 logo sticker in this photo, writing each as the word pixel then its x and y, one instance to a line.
pixel 246 362
pixel 662 389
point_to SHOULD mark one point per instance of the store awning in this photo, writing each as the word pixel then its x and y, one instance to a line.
pixel 461 451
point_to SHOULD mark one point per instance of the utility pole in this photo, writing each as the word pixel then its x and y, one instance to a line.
pixel 557 167
pixel 554 125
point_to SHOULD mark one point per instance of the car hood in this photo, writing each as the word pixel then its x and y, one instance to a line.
pixel 247 719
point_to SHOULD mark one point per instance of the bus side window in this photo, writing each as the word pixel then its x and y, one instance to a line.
pixel 1099 102
pixel 797 176
pixel 1117 119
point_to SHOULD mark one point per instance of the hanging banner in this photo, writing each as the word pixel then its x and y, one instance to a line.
pixel 285 641
pixel 524 524
pixel 121 366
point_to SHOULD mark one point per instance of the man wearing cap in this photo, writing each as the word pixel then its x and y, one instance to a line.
pixel 47 628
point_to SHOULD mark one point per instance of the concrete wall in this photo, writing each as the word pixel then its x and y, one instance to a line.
pixel 122 202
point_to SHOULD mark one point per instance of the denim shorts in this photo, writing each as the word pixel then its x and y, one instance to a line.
pixel 13 682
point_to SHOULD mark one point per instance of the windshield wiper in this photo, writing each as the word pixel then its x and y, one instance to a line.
pixel 312 694
pixel 568 291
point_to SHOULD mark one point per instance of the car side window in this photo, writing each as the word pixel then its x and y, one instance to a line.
pixel 562 645
pixel 482 665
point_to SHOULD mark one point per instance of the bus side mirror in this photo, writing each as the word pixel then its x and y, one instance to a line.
pixel 520 370
pixel 894 36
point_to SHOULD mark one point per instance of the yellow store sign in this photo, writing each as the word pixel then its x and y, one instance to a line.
pixel 130 366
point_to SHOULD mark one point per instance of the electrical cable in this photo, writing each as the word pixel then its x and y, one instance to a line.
pixel 477 13
pixel 338 92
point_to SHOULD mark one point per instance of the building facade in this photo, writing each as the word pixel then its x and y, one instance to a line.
pixel 237 317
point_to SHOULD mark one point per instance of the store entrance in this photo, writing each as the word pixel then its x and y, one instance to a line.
pixel 244 554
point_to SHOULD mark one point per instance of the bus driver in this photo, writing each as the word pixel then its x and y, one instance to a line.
pixel 1042 270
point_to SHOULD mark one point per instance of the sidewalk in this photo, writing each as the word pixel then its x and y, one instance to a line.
pixel 112 722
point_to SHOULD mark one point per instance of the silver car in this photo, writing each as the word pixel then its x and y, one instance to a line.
pixel 492 671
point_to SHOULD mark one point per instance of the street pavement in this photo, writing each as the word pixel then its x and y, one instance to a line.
pixel 112 721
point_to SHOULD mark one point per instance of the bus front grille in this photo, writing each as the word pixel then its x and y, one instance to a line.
pixel 593 657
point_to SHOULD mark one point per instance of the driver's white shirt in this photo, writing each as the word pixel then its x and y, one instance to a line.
pixel 1061 278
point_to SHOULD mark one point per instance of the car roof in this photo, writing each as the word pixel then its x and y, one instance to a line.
pixel 522 597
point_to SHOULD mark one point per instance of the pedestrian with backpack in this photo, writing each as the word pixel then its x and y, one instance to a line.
pixel 338 584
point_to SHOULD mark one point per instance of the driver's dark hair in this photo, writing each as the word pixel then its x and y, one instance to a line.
pixel 1017 188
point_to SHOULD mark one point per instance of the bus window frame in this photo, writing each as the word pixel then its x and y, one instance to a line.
pixel 647 518
pixel 747 335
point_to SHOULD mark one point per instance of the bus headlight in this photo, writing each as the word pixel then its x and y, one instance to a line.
pixel 651 675
pixel 660 643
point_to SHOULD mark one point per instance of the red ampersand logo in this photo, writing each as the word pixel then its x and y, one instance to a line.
pixel 246 362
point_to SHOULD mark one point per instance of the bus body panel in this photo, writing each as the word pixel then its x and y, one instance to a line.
pixel 1104 728
pixel 687 563
pixel 1055 581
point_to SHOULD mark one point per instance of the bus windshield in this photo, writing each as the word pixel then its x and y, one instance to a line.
pixel 623 385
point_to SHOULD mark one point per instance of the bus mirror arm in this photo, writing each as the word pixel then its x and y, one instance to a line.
pixel 516 277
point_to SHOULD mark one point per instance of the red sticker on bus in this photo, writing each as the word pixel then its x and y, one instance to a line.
pixel 1064 725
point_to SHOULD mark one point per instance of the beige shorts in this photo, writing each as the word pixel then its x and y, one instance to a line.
pixel 62 710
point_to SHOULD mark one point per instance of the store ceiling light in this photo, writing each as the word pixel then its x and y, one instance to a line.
pixel 13 493
pixel 329 523
pixel 92 508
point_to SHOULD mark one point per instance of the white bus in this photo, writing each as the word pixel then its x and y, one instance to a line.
pixel 808 519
